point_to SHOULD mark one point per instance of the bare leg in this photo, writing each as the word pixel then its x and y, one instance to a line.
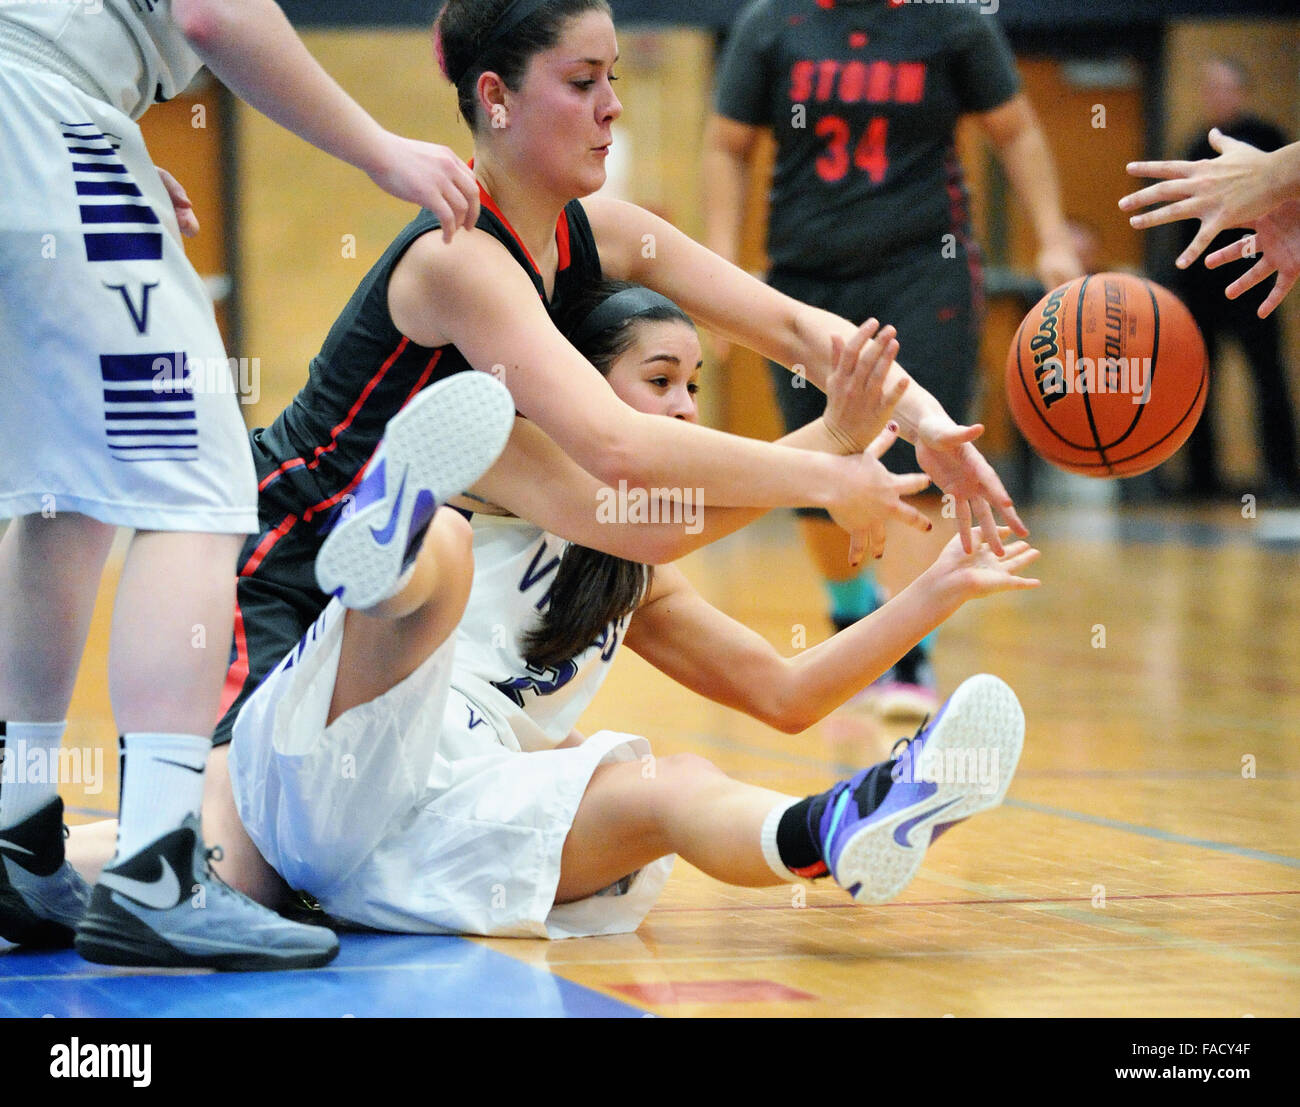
pixel 49 577
pixel 634 812
pixel 172 622
pixel 89 847
pixel 242 865
pixel 387 643
pixel 380 648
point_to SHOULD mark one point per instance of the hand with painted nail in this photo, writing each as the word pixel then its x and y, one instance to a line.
pixel 874 496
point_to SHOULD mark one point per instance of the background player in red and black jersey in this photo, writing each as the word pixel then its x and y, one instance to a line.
pixel 869 210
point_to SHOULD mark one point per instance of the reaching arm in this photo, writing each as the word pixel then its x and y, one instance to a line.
pixel 682 635
pixel 737 306
pixel 257 54
pixel 1235 189
pixel 471 293
pixel 1014 131
pixel 575 505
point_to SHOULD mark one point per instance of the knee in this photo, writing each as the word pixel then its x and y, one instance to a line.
pixel 451 538
pixel 682 771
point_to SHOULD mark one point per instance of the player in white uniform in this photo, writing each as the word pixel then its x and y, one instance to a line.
pixel 415 779
pixel 113 416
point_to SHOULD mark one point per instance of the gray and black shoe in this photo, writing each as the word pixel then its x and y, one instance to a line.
pixel 165 907
pixel 41 896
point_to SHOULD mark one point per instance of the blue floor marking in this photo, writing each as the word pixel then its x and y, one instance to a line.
pixel 375 975
pixel 1155 832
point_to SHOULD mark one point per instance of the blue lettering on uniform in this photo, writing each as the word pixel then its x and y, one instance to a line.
pixel 474 720
pixel 533 574
pixel 545 681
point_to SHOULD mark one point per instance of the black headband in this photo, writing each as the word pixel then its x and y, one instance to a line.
pixel 513 14
pixel 618 309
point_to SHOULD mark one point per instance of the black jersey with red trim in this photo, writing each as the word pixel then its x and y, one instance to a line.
pixel 313 454
pixel 863 99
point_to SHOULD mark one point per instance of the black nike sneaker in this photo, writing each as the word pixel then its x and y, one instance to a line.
pixel 165 907
pixel 41 896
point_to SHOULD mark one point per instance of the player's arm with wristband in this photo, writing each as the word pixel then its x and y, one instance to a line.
pixel 684 636
pixel 857 403
pixel 256 53
pixel 471 293
pixel 740 307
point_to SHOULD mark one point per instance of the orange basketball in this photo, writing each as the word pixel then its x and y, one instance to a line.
pixel 1107 375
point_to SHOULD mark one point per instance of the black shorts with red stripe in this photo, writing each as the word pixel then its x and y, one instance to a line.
pixel 311 458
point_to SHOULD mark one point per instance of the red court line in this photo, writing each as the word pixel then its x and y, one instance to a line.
pixel 973 902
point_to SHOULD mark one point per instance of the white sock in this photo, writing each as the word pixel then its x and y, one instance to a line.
pixel 162 782
pixel 768 840
pixel 29 776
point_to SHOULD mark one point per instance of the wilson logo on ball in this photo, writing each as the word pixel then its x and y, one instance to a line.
pixel 1107 375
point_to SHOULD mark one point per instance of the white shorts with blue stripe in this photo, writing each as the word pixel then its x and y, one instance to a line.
pixel 117 397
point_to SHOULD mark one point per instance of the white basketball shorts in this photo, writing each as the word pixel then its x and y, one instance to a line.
pixel 416 812
pixel 116 399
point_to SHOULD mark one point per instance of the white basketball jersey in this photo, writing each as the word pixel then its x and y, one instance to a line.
pixel 132 49
pixel 515 564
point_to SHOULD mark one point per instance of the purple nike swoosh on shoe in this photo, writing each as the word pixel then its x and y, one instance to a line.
pixel 385 534
pixel 903 830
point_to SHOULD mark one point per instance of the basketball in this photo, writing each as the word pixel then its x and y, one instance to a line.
pixel 1107 375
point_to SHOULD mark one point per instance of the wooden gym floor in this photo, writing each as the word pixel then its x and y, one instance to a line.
pixel 1145 863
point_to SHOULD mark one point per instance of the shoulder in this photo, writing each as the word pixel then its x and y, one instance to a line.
pixel 760 22
pixel 435 283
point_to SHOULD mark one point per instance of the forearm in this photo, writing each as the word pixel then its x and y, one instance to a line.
pixel 1027 161
pixel 1282 175
pixel 718 522
pixel 254 50
pixel 724 173
pixel 822 678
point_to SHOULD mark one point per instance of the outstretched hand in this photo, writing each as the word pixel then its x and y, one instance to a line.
pixel 1231 190
pixel 1276 242
pixel 983 571
pixel 944 450
pixel 875 498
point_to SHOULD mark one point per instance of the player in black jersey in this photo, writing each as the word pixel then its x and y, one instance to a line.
pixel 534 81
pixel 868 210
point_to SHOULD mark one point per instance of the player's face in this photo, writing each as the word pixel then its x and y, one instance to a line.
pixel 562 115
pixel 660 373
